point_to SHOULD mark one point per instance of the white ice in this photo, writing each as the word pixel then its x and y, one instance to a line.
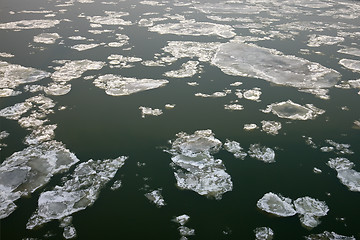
pixel 264 233
pixel 262 153
pixel 271 127
pixel 156 198
pixel 277 205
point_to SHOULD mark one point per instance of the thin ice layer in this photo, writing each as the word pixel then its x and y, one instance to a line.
pixel 294 111
pixel 197 169
pixel 277 205
pixel 310 210
pixel 249 60
pixel 78 192
pixel 27 170
pixel 119 86
pixel 193 28
pixel 348 176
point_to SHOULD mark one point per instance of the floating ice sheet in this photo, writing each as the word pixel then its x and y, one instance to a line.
pixel 262 153
pixel 310 210
pixel 348 176
pixel 119 86
pixel 156 198
pixel 328 236
pixel 277 205
pixel 197 169
pixel 351 64
pixel 188 69
pixel 27 170
pixel 271 127
pixel 13 75
pixel 30 24
pixel 264 233
pixel 193 28
pixel 294 111
pixel 235 148
pixel 46 38
pixel 78 192
pixel 74 69
pixel 249 60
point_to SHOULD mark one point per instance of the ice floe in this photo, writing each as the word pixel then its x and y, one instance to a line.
pixel 111 18
pixel 271 127
pixel 250 126
pixel 252 94
pixel 84 47
pixel 213 95
pixel 277 205
pixel 262 153
pixel 46 38
pixel 264 233
pixel 341 148
pixel 294 111
pixel 310 210
pixel 156 198
pixel 234 107
pixel 3 135
pixel 350 51
pixel 27 170
pixel 6 55
pixel 30 24
pixel 351 64
pixel 328 236
pixel 13 75
pixel 182 219
pixel 120 61
pixel 235 148
pixel 193 28
pixel 119 86
pixel 348 176
pixel 14 112
pixel 196 168
pixel 149 111
pixel 40 134
pixel 57 89
pixel 78 192
pixel 74 69
pixel 318 40
pixel 169 106
pixel 116 185
pixel 188 69
pixel 249 60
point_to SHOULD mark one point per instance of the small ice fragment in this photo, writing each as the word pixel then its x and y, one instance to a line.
pixel 69 232
pixel 236 84
pixel 277 205
pixel 342 148
pixel 156 198
pixel 264 233
pixel 213 95
pixel 317 170
pixel 233 107
pixel 318 40
pixel 327 149
pixel 188 69
pixel 309 141
pixel 185 231
pixel 116 185
pixel 57 89
pixel 271 127
pixel 262 153
pixel 182 219
pixel 253 94
pixel 193 84
pixel 74 69
pixel 84 47
pixel 29 24
pixel 235 148
pixel 46 38
pixel 15 112
pixel 348 176
pixel 149 111
pixel 250 126
pixel 351 64
pixel 357 123
pixel 6 55
pixel 169 106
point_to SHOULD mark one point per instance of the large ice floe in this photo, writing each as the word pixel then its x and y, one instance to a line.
pixel 249 60
pixel 308 209
pixel 27 170
pixel 193 28
pixel 262 153
pixel 348 176
pixel 196 168
pixel 13 75
pixel 30 24
pixel 115 85
pixel 78 192
pixel 328 236
pixel 74 69
pixel 294 111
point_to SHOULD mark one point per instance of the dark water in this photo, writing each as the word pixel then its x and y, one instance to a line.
pixel 95 125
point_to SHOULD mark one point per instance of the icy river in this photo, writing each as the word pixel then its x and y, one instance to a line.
pixel 178 119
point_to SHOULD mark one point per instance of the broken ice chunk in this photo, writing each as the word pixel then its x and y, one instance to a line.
pixel 262 153
pixel 277 205
pixel 3 135
pixel 351 64
pixel 253 94
pixel 233 107
pixel 234 148
pixel 15 112
pixel 213 95
pixel 112 18
pixel 185 231
pixel 348 176
pixel 156 198
pixel 318 40
pixel 149 111
pixel 271 127
pixel 310 211
pixel 121 86
pixel 46 38
pixel 250 126
pixel 293 111
pixel 264 233
pixel 317 170
pixel 342 148
pixel 57 89
pixel 79 191
pixel 116 185
pixel 74 69
pixel 29 24
pixel 169 106
pixel 188 69
pixel 27 170
pixel 84 47
pixel 69 232
pixel 182 219
pixel 328 236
